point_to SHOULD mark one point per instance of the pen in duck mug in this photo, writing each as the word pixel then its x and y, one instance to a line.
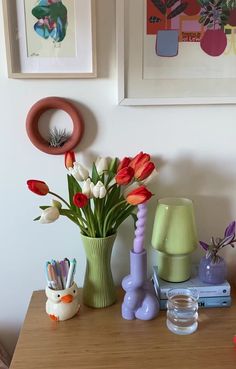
pixel 50 283
pixel 71 273
pixel 51 276
pixel 60 274
pixel 64 271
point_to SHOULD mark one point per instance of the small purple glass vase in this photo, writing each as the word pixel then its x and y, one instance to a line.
pixel 212 271
pixel 140 300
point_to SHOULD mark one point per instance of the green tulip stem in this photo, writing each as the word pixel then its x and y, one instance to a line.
pixel 98 203
pixel 59 197
pixel 90 219
pixel 106 220
pixel 76 220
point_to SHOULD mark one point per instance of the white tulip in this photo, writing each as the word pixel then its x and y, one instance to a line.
pixel 88 188
pixel 99 190
pixel 79 172
pixel 101 165
pixel 49 215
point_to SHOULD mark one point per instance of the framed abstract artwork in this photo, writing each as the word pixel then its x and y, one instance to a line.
pixel 50 38
pixel 172 52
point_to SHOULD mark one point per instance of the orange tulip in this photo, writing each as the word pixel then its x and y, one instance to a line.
pixel 138 196
pixel 69 159
pixel 38 187
pixel 144 171
pixel 139 159
pixel 124 176
pixel 123 163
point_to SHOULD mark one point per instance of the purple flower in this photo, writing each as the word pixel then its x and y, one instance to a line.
pixel 204 245
pixel 230 230
pixel 218 243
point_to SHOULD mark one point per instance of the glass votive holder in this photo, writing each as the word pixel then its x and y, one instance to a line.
pixel 182 310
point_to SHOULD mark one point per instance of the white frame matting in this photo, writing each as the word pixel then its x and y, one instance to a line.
pixel 20 65
pixel 134 90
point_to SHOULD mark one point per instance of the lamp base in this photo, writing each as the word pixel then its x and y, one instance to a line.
pixel 174 268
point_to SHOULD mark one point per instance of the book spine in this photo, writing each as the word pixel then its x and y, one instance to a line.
pixel 206 302
pixel 207 291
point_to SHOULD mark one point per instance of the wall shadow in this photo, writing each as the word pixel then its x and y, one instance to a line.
pixel 105 25
pixel 9 337
pixel 90 126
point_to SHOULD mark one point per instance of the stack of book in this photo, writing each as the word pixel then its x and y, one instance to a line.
pixel 210 295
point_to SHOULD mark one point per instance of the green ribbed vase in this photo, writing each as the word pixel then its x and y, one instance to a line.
pixel 99 289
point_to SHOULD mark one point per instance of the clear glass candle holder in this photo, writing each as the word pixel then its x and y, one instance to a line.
pixel 182 310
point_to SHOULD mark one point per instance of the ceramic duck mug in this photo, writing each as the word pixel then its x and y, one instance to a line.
pixel 62 304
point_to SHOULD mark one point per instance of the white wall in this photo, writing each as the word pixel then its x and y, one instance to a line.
pixel 194 147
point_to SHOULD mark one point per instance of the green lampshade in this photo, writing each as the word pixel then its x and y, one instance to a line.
pixel 175 238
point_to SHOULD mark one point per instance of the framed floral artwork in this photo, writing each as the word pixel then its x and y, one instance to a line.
pixel 50 38
pixel 174 52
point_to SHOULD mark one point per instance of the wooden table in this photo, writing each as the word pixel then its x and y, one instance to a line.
pixel 101 339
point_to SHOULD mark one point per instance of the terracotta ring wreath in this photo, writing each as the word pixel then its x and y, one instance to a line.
pixel 54 103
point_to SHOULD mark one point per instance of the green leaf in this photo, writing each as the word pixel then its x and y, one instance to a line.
pixel 102 178
pixel 44 207
pixel 58 10
pixel 74 219
pixel 170 3
pixel 41 11
pixel 92 221
pixel 73 188
pixel 112 170
pixel 71 191
pixel 37 218
pixel 66 212
pixel 113 197
pixel 120 219
pixel 120 211
pixel 113 166
pixel 202 19
pixel 206 22
pixel 179 9
pixel 95 175
pixel 77 215
pixel 160 6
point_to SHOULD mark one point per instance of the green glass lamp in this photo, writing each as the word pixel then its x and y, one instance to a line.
pixel 174 237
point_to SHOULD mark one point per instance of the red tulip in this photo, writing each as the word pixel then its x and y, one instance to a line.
pixel 124 176
pixel 138 196
pixel 124 163
pixel 80 199
pixel 38 187
pixel 144 171
pixel 69 159
pixel 139 159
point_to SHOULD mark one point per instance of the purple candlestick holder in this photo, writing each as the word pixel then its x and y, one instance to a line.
pixel 140 300
pixel 138 245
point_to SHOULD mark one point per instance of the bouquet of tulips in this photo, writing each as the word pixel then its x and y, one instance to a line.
pixel 101 200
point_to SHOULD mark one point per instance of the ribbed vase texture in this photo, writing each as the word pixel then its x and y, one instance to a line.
pixel 98 290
